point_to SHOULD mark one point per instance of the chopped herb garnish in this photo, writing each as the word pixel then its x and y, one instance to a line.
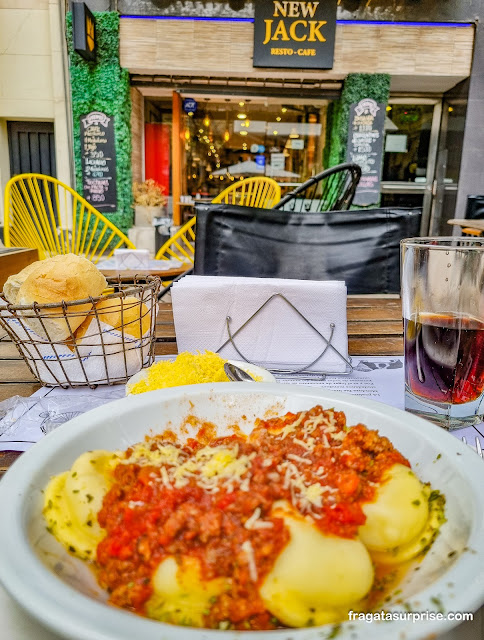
pixel 89 497
pixel 335 631
pixel 416 502
pixel 438 603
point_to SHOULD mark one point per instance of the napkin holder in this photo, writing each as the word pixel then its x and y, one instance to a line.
pixel 327 342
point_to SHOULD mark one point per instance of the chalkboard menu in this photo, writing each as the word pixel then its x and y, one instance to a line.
pixel 98 160
pixel 365 147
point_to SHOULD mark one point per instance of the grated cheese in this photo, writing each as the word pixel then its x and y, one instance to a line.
pixel 249 552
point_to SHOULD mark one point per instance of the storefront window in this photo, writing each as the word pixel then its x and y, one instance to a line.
pixel 407 140
pixel 231 139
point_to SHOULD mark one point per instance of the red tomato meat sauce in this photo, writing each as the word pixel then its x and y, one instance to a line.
pixel 312 459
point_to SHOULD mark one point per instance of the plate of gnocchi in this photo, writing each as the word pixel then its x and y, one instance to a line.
pixel 244 510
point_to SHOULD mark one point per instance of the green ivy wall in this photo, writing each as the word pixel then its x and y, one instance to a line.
pixel 104 86
pixel 356 87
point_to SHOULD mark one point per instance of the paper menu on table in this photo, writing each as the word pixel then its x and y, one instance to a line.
pixel 276 334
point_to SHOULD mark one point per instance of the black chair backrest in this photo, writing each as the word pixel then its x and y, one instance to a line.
pixel 475 207
pixel 360 247
pixel 330 190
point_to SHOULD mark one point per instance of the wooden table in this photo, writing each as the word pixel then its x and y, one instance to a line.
pixel 374 328
pixel 129 274
pixel 467 223
pixel 13 260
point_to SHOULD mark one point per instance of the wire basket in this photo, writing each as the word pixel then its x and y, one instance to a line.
pixel 105 340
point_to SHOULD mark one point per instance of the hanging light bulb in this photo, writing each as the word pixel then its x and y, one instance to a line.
pixel 241 116
pixel 241 103
pixel 243 133
pixel 227 136
pixel 187 134
pixel 206 120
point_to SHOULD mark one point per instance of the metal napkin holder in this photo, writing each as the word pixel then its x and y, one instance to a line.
pixel 327 342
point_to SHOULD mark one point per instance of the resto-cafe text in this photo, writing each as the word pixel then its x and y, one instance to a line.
pixel 297 34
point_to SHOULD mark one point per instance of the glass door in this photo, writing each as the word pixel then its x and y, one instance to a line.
pixel 410 150
pixel 448 166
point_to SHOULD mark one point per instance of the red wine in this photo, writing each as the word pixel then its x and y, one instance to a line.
pixel 445 357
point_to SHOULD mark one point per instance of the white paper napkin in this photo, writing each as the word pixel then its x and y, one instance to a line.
pixel 119 362
pixel 277 337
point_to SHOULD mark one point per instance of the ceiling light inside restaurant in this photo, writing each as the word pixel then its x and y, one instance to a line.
pixel 284 109
pixel 294 135
pixel 227 136
pixel 243 133
pixel 278 118
pixel 241 103
pixel 206 121
pixel 275 132
pixel 241 116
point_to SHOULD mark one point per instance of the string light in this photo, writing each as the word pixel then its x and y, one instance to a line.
pixel 241 116
pixel 278 118
pixel 243 133
pixel 206 121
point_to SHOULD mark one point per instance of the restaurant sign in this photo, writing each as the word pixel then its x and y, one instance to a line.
pixel 98 158
pixel 294 35
pixel 84 31
pixel 365 147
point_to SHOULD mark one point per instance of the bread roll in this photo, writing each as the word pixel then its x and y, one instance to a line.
pixel 14 282
pixel 62 278
pixel 109 312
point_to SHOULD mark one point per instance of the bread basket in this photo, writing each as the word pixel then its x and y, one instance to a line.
pixel 115 340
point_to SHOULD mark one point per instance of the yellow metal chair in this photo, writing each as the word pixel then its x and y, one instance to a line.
pixel 43 213
pixel 181 245
pixel 260 192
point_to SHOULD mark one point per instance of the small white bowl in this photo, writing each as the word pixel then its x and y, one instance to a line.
pixel 251 369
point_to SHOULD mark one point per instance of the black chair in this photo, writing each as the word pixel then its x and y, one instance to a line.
pixel 331 190
pixel 475 208
pixel 360 247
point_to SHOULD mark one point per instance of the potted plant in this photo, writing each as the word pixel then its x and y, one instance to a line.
pixel 149 202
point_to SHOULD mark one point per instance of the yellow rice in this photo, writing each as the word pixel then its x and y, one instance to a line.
pixel 188 368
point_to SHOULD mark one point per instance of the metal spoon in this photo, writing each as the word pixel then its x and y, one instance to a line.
pixel 236 374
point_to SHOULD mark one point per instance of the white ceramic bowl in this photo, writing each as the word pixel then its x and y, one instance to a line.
pixel 60 591
pixel 251 369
